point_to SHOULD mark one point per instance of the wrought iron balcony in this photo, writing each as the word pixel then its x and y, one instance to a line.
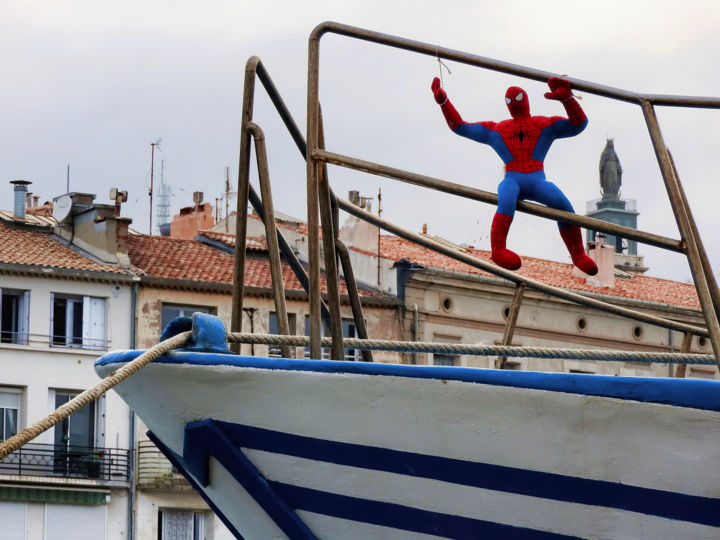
pixel 154 471
pixel 110 464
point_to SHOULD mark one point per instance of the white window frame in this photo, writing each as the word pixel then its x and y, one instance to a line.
pixel 10 398
pixel 93 334
pixel 22 316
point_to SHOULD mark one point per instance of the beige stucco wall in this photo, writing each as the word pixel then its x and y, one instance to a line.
pixel 382 322
pixel 455 309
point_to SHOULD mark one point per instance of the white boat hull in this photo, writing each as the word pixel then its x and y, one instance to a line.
pixel 295 448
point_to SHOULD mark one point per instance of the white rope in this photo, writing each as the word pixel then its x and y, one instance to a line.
pixel 481 350
pixel 91 394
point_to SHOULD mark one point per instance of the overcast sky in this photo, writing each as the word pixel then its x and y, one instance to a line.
pixel 92 84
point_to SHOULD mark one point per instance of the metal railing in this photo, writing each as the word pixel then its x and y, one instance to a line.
pixel 96 463
pixel 323 205
pixel 154 471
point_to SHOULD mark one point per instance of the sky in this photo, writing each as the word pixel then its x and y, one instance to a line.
pixel 91 84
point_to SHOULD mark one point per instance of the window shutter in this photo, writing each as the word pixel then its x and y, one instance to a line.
pixel 93 323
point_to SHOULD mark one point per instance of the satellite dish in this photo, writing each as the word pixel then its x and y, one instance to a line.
pixel 61 210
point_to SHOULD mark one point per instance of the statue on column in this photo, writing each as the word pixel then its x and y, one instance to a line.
pixel 610 171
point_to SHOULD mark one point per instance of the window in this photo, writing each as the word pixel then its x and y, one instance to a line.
pixel 9 409
pixel 444 360
pixel 182 525
pixel 78 321
pixel 274 328
pixel 14 316
pixel 348 331
pixel 75 440
pixel 170 311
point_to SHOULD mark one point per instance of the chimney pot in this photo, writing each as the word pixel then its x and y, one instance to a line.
pixel 354 197
pixel 424 229
pixel 20 197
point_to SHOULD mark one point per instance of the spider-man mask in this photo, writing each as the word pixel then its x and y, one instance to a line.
pixel 517 102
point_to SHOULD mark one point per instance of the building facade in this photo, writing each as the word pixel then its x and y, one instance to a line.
pixel 61 308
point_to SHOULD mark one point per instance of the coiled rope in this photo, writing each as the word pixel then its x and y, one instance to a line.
pixel 91 394
pixel 481 350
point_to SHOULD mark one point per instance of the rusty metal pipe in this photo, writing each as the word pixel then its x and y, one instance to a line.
pixel 704 260
pixel 681 370
pixel 242 198
pixel 355 303
pixel 288 253
pixel 313 112
pixel 491 198
pixel 328 240
pixel 683 217
pixel 350 208
pixel 506 67
pixel 512 321
pixel 271 234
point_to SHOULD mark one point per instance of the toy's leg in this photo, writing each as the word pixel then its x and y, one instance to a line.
pixel 572 237
pixel 549 194
pixel 498 235
pixel 508 193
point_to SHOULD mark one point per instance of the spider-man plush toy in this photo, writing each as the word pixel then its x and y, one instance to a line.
pixel 522 143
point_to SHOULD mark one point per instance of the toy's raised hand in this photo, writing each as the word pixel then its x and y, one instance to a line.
pixel 438 92
pixel 560 89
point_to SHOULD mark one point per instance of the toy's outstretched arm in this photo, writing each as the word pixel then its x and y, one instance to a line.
pixel 560 91
pixel 451 115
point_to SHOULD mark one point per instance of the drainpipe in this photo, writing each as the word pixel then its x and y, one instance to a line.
pixel 416 330
pixel 134 289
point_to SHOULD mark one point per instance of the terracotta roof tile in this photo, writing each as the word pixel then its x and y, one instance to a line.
pixel 647 288
pixel 41 248
pixel 253 243
pixel 173 258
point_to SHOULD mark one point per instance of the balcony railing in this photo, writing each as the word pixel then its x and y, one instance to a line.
pixel 68 462
pixel 154 471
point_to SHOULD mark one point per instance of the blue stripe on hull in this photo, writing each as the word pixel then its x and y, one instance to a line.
pixel 402 517
pixel 667 504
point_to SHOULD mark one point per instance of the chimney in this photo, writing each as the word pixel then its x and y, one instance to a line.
pixel 20 195
pixel 192 219
pixel 604 256
pixel 424 229
pixel 95 228
pixel 354 197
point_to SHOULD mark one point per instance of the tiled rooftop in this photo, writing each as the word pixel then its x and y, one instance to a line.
pixel 173 258
pixel 42 249
pixel 192 260
pixel 253 243
pixel 558 274
pixel 554 273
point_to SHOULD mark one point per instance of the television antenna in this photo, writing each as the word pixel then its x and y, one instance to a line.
pixel 152 171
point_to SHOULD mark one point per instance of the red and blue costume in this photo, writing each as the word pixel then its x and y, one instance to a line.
pixel 522 142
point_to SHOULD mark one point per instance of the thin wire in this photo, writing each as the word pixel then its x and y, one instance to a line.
pixel 441 64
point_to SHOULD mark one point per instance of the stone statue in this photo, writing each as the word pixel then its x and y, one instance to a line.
pixel 610 171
